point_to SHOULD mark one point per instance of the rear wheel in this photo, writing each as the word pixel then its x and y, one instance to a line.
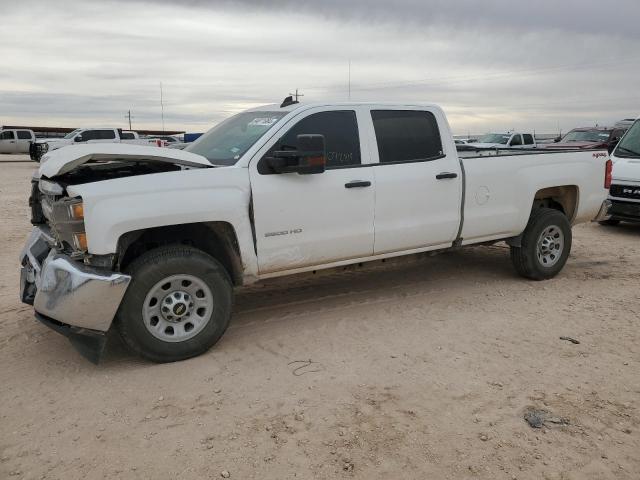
pixel 177 306
pixel 545 245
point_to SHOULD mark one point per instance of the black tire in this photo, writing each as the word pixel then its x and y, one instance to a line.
pixel 612 222
pixel 525 257
pixel 153 267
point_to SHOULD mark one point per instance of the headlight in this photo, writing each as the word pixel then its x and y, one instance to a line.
pixel 50 188
pixel 67 222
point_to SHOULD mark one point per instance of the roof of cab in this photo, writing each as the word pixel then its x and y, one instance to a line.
pixel 274 107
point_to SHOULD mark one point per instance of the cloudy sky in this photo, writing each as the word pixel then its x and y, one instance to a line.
pixel 492 64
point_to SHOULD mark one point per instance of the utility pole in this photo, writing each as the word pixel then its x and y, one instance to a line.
pixel 161 107
pixel 349 79
pixel 128 115
pixel 296 94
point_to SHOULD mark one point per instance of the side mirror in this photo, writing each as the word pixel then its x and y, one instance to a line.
pixel 78 138
pixel 557 139
pixel 309 158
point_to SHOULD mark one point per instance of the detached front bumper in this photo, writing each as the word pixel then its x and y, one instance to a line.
pixel 74 299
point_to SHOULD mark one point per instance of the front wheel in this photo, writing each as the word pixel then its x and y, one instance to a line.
pixel 545 245
pixel 177 306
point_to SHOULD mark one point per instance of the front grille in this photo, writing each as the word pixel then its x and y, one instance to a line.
pixel 37 150
pixel 625 191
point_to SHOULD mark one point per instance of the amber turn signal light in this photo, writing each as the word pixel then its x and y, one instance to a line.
pixel 80 239
pixel 77 211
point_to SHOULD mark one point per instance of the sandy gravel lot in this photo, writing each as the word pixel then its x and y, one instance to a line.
pixel 415 369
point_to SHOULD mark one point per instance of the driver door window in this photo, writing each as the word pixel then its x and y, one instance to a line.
pixel 340 130
pixel 516 140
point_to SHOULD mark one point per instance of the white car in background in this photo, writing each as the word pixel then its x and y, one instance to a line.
pixel 16 140
pixel 87 135
pixel 505 140
pixel 624 193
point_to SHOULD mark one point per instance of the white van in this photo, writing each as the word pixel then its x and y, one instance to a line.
pixel 16 140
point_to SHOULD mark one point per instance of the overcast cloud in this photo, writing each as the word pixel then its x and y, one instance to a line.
pixel 492 65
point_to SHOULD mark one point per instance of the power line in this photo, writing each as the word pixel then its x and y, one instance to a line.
pixel 486 76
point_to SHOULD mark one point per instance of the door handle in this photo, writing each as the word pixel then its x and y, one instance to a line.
pixel 443 175
pixel 357 184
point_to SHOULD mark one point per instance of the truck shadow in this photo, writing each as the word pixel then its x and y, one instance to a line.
pixel 303 295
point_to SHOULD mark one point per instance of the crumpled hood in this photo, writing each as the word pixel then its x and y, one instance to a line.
pixel 627 170
pixel 65 159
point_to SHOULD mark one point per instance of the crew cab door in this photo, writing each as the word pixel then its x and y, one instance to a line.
pixel 418 180
pixel 7 141
pixel 315 219
pixel 24 139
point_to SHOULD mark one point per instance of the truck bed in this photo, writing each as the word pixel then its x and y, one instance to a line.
pixel 497 191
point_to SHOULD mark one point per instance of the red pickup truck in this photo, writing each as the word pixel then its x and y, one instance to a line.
pixel 589 138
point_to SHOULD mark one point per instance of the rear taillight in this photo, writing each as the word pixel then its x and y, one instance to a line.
pixel 607 174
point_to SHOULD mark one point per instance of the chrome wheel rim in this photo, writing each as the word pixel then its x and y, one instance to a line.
pixel 177 308
pixel 550 246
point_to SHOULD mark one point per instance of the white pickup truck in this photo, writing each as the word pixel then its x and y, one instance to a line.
pixel 152 241
pixel 624 193
pixel 505 140
pixel 16 140
pixel 85 135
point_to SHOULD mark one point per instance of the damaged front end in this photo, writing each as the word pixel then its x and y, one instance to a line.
pixel 72 297
pixel 72 290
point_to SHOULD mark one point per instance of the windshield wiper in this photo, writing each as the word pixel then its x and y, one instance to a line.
pixel 632 152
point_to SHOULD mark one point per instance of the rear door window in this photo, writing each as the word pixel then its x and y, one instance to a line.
pixel 406 135
pixel 528 138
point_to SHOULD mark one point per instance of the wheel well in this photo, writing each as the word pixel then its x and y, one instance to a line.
pixel 563 198
pixel 218 239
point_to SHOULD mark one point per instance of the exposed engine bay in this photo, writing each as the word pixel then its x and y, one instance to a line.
pixel 95 172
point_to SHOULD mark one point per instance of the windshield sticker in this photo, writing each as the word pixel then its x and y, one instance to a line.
pixel 263 121
pixel 603 134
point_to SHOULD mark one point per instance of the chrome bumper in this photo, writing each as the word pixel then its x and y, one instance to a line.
pixel 603 213
pixel 65 290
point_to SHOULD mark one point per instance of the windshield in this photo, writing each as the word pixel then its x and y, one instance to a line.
pixel 70 135
pixel 629 146
pixel 495 138
pixel 587 136
pixel 225 143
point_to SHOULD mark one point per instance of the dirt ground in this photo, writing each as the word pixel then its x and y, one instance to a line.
pixel 420 368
